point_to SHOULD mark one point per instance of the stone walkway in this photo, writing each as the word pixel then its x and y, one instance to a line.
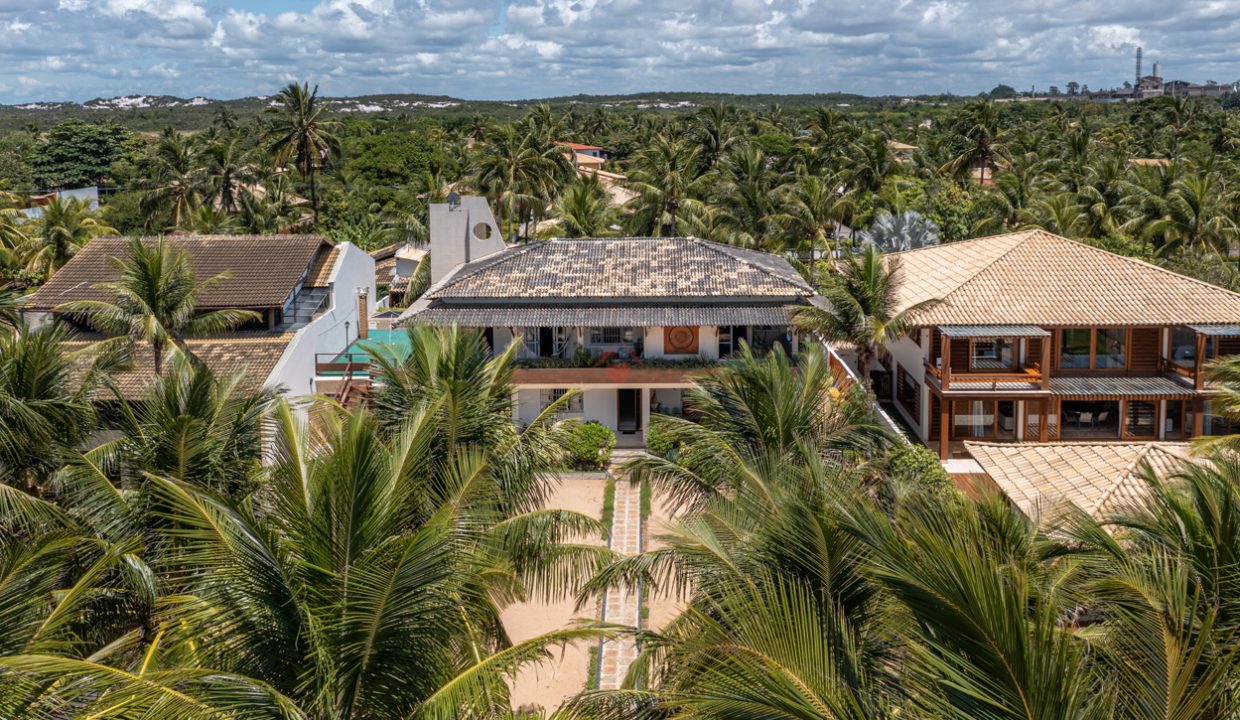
pixel 622 607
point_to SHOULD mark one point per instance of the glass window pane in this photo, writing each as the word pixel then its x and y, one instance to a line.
pixel 1074 348
pixel 1111 347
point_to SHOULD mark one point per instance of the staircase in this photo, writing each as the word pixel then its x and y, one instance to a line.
pixel 305 306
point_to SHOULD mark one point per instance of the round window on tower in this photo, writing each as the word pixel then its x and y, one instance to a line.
pixel 482 231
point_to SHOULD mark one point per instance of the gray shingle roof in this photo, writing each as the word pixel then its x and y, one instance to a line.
pixel 638 315
pixel 624 268
pixel 263 269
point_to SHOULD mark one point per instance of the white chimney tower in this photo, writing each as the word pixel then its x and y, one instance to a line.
pixel 461 230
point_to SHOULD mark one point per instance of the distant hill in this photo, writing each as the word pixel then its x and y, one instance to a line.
pixel 152 112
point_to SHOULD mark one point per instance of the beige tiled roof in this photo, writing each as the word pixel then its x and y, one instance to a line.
pixel 1100 478
pixel 263 269
pixel 320 275
pixel 254 353
pixel 574 269
pixel 1038 278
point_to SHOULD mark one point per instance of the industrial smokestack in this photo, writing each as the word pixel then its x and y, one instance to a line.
pixel 1138 80
pixel 1157 70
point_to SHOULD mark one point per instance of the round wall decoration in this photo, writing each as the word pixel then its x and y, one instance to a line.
pixel 680 340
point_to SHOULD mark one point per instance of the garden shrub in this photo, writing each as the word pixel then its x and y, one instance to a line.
pixel 592 445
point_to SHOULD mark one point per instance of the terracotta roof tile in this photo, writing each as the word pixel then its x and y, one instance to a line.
pixel 1100 478
pixel 254 353
pixel 1039 278
pixel 263 269
pixel 320 275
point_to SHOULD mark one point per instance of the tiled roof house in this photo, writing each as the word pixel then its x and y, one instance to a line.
pixel 1037 337
pixel 308 292
pixel 626 320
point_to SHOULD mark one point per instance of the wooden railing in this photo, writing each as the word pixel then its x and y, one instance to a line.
pixel 1173 367
pixel 1031 374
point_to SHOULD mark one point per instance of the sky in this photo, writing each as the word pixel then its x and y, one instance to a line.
pixel 515 49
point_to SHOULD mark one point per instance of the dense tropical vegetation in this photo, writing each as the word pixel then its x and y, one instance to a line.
pixel 784 179
pixel 213 550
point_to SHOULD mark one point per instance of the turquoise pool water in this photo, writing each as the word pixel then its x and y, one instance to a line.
pixel 393 342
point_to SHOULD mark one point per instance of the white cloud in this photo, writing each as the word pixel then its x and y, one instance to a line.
pixel 519 48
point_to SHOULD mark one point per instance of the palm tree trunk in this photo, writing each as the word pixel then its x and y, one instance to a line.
pixel 314 195
pixel 157 348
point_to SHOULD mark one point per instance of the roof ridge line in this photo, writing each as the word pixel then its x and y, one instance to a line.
pixel 718 248
pixel 1127 472
pixel 1139 261
pixel 1021 241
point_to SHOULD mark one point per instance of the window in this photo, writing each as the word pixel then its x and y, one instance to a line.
pixel 908 392
pixel 1110 348
pixel 766 337
pixel 730 337
pixel 1184 346
pixel 992 353
pixel 1096 348
pixel 550 396
pixel 544 341
pixel 613 335
pixel 1074 348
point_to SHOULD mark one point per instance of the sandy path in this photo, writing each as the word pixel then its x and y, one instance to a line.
pixel 661 608
pixel 550 683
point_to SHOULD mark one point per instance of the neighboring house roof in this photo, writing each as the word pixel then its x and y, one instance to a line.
pixel 1035 277
pixel 263 269
pixel 1100 478
pixel 1150 162
pixel 900 147
pixel 614 268
pixel 615 315
pixel 320 275
pixel 256 354
pixel 577 147
pixel 583 160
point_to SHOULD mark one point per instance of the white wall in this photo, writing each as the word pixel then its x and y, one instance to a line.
pixel 911 357
pixel 294 371
pixel 599 405
pixel 354 269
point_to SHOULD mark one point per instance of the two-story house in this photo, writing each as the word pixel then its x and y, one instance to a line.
pixel 628 321
pixel 1037 337
pixel 312 297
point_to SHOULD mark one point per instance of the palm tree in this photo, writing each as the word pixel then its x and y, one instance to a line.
pixel 813 208
pixel 863 308
pixel 227 171
pixel 749 193
pixel 299 134
pixel 45 402
pixel 175 179
pixel 978 129
pixel 584 209
pixel 665 176
pixel 65 225
pixel 154 300
pixel 517 173
pixel 1195 215
pixel 194 425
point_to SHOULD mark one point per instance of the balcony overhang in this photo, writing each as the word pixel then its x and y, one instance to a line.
pixel 993 331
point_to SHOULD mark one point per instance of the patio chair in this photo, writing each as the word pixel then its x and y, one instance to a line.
pixel 1085 417
pixel 1102 418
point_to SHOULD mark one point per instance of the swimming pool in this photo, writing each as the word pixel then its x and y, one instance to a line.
pixel 386 341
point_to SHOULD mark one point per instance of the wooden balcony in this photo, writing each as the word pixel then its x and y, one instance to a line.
pixel 979 380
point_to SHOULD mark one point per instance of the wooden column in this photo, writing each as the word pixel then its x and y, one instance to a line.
pixel 1199 417
pixel 1044 429
pixel 944 427
pixel 1199 379
pixel 945 371
pixel 1046 363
